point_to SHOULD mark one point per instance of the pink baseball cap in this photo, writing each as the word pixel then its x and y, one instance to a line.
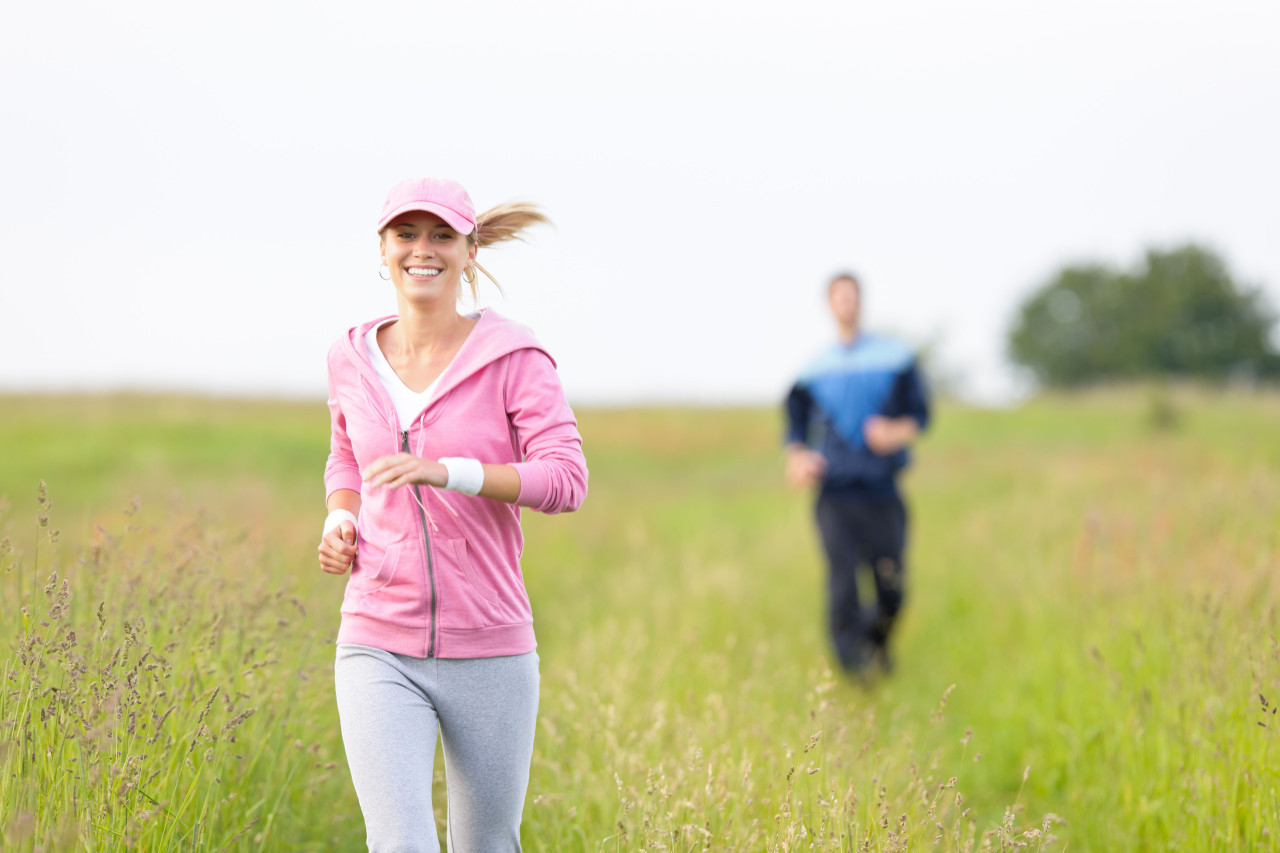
pixel 446 199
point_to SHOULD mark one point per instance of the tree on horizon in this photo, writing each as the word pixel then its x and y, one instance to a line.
pixel 1179 313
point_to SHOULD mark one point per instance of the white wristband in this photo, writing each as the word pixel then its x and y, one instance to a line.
pixel 465 475
pixel 337 517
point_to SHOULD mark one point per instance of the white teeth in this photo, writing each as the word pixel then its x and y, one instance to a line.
pixel 423 271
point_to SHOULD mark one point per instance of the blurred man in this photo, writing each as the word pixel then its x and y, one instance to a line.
pixel 851 417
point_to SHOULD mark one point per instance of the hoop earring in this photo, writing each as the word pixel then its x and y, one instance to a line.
pixel 469 274
pixel 386 277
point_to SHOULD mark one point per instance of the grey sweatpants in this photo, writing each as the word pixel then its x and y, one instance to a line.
pixel 485 710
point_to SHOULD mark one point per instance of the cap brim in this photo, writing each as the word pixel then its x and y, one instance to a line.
pixel 452 218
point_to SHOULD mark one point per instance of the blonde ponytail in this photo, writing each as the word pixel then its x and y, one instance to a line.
pixel 507 221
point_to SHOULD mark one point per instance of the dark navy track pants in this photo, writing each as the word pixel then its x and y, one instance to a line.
pixel 862 535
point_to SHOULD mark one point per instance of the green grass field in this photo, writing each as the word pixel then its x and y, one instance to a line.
pixel 1088 660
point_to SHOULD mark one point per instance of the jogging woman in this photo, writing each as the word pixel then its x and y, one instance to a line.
pixel 443 426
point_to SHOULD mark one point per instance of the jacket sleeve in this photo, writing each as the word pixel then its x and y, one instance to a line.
pixel 341 471
pixel 799 406
pixel 553 471
pixel 909 397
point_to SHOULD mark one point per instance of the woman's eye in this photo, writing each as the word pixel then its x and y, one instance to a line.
pixel 444 235
pixel 405 235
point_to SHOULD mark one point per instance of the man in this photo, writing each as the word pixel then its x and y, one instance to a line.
pixel 851 417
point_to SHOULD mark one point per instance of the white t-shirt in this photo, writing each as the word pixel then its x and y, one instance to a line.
pixel 409 403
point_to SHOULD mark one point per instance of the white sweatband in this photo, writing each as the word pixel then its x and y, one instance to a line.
pixel 337 517
pixel 465 475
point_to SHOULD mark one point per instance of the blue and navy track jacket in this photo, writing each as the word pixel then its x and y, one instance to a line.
pixel 834 396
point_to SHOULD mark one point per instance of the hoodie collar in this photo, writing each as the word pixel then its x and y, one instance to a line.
pixel 493 337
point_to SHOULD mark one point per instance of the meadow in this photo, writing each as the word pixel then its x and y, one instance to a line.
pixel 1088 659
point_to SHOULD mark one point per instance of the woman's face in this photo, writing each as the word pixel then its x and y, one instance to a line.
pixel 425 256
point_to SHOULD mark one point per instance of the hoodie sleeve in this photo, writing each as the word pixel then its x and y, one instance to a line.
pixel 341 471
pixel 553 473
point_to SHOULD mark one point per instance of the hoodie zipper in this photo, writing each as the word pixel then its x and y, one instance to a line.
pixel 426 538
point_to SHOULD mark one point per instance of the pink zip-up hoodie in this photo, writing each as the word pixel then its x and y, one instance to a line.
pixel 437 573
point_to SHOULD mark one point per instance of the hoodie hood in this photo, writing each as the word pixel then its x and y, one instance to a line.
pixel 493 337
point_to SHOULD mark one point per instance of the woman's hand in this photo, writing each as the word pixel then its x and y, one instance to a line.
pixel 338 548
pixel 402 469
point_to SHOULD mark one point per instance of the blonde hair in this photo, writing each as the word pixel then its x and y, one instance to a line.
pixel 507 221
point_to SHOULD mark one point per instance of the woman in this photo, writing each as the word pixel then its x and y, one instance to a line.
pixel 444 426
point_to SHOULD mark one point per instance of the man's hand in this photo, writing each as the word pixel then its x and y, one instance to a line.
pixel 888 435
pixel 805 467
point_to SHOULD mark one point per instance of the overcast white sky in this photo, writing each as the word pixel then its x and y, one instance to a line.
pixel 188 192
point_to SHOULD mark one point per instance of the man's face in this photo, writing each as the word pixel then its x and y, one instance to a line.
pixel 846 301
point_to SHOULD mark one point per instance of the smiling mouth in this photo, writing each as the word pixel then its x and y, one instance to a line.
pixel 422 272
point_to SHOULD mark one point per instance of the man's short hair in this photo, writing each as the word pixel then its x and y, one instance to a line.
pixel 844 275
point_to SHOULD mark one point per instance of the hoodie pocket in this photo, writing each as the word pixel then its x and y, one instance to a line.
pixel 476 601
pixel 373 570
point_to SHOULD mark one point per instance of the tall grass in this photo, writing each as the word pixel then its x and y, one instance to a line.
pixel 158 697
pixel 1088 659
